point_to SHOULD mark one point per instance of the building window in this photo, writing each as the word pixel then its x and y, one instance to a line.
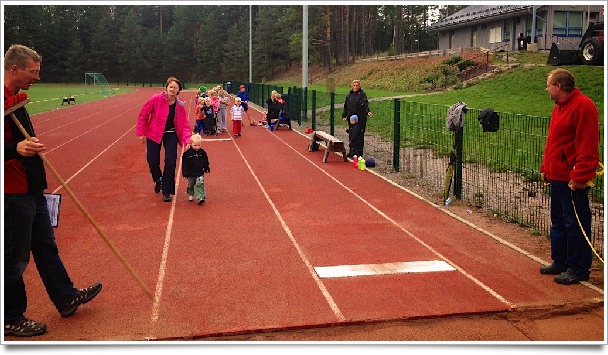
pixel 567 23
pixel 540 22
pixel 506 34
pixel 495 34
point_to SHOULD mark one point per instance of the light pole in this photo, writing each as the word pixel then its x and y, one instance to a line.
pixel 250 62
pixel 305 46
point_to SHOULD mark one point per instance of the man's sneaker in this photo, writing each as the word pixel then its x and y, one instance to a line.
pixel 24 328
pixel 158 186
pixel 552 269
pixel 569 278
pixel 82 296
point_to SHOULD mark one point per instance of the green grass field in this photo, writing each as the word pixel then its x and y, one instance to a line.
pixel 48 97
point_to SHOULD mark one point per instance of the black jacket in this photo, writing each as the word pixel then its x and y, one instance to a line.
pixel 273 109
pixel 195 163
pixel 356 104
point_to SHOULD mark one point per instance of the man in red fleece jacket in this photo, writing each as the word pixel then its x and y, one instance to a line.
pixel 27 226
pixel 570 161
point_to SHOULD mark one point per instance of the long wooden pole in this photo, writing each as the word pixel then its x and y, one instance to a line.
pixel 103 235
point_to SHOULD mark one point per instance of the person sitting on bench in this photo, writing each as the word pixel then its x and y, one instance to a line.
pixel 272 108
pixel 283 114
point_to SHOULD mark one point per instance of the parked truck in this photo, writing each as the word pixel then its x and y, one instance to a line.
pixel 589 52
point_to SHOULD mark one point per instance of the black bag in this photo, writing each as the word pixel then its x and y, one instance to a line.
pixel 489 120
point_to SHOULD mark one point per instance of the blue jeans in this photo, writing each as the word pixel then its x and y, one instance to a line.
pixel 27 227
pixel 569 249
pixel 153 157
pixel 199 126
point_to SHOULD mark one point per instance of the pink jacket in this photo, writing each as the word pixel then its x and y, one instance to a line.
pixel 153 117
pixel 215 102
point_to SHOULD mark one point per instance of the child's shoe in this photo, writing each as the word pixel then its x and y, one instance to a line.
pixel 200 201
pixel 190 198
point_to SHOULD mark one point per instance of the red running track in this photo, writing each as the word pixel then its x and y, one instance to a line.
pixel 246 260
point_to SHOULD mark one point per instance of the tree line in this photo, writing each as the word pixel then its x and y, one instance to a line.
pixel 210 43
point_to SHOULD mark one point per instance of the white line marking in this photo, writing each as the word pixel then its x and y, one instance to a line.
pixel 163 261
pixel 92 160
pixel 216 139
pixel 470 224
pixel 311 270
pixel 69 113
pixel 474 226
pixel 83 133
pixel 383 269
pixel 403 229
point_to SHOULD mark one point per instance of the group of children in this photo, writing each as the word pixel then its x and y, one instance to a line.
pixel 211 109
pixel 211 119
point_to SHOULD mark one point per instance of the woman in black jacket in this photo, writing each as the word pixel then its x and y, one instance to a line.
pixel 273 108
pixel 356 104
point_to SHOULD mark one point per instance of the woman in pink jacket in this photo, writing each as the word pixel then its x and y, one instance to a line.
pixel 163 120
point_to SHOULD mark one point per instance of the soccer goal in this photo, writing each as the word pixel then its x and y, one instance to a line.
pixel 96 83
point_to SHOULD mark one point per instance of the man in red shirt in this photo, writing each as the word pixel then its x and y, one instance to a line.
pixel 570 161
pixel 27 225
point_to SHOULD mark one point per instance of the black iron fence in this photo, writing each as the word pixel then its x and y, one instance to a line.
pixel 497 171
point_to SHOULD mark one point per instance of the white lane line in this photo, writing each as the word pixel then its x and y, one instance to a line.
pixel 92 160
pixel 216 139
pixel 85 132
pixel 160 281
pixel 69 113
pixel 311 270
pixel 403 229
pixel 383 269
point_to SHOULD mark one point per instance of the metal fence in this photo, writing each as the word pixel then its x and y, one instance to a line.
pixel 497 171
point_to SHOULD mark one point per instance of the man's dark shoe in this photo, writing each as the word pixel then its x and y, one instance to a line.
pixel 157 186
pixel 82 296
pixel 552 269
pixel 24 328
pixel 569 278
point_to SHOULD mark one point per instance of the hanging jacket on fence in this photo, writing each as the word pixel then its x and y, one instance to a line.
pixel 455 117
pixel 489 120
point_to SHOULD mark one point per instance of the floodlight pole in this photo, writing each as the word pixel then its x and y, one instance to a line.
pixel 250 62
pixel 305 46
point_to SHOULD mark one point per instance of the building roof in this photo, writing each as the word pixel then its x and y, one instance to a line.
pixel 475 13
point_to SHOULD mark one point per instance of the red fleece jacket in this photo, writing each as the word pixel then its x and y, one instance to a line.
pixel 571 151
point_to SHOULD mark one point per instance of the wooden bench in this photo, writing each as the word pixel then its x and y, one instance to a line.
pixel 332 144
pixel 68 100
